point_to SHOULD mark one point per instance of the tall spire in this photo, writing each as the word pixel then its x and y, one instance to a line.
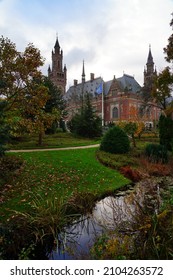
pixel 150 63
pixel 57 45
pixel 150 57
pixel 83 73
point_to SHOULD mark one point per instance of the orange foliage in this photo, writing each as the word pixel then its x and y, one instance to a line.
pixel 130 173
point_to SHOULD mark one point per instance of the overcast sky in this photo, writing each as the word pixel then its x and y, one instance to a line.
pixel 111 36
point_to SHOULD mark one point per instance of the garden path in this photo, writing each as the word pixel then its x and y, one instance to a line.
pixel 54 149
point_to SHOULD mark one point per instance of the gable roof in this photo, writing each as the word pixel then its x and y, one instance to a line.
pixel 129 83
pixel 126 83
pixel 87 87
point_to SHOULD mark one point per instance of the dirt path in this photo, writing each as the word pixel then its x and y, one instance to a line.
pixel 54 149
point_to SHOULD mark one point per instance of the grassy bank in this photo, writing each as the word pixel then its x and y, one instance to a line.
pixel 62 173
pixel 46 193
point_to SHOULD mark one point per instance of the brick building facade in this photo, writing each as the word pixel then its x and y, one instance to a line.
pixel 114 100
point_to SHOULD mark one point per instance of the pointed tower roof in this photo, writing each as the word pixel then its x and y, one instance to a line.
pixel 57 45
pixel 150 57
pixel 83 73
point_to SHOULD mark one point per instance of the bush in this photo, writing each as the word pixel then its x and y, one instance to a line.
pixel 166 131
pixel 115 141
pixel 156 153
pixel 130 173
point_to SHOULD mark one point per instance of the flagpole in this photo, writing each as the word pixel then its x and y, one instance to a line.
pixel 102 105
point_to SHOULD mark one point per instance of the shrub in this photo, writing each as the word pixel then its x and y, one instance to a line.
pixel 156 153
pixel 115 141
pixel 130 173
pixel 166 131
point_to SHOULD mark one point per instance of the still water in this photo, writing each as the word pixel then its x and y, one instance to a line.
pixel 119 211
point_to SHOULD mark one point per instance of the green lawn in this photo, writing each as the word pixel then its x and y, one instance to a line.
pixel 60 173
pixel 57 140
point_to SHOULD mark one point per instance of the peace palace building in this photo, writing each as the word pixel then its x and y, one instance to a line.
pixel 119 99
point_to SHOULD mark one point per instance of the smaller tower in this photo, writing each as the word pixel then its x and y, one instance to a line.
pixel 58 74
pixel 149 73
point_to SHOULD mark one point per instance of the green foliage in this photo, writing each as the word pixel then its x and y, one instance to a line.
pixel 169 48
pixel 48 215
pixel 130 128
pixel 55 101
pixel 115 141
pixel 113 248
pixel 166 131
pixel 164 80
pixel 4 129
pixel 156 153
pixel 86 123
pixel 158 238
pixel 163 87
pixel 115 161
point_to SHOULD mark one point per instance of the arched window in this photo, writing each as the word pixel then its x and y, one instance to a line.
pixel 115 113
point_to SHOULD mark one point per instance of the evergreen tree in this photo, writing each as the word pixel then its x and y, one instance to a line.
pixel 166 131
pixel 115 141
pixel 86 123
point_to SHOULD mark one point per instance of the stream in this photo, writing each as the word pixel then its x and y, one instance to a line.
pixel 122 211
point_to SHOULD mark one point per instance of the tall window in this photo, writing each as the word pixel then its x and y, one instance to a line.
pixel 115 113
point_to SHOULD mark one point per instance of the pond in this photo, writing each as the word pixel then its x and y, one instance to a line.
pixel 123 212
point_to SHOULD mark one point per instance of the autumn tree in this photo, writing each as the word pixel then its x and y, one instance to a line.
pixel 164 82
pixel 23 88
pixel 168 50
pixel 135 126
pixel 163 88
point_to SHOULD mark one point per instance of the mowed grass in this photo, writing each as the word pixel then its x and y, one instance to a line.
pixel 58 140
pixel 61 174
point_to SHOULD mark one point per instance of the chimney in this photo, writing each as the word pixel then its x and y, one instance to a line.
pixel 75 82
pixel 91 76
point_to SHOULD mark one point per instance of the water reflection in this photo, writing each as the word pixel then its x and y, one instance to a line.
pixel 121 213
pixel 76 241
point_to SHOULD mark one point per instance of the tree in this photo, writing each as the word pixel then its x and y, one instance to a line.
pixel 164 82
pixel 55 103
pixel 115 141
pixel 166 131
pixel 23 88
pixel 168 50
pixel 86 123
pixel 135 126
pixel 17 71
pixel 162 88
pixel 32 111
pixel 4 128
